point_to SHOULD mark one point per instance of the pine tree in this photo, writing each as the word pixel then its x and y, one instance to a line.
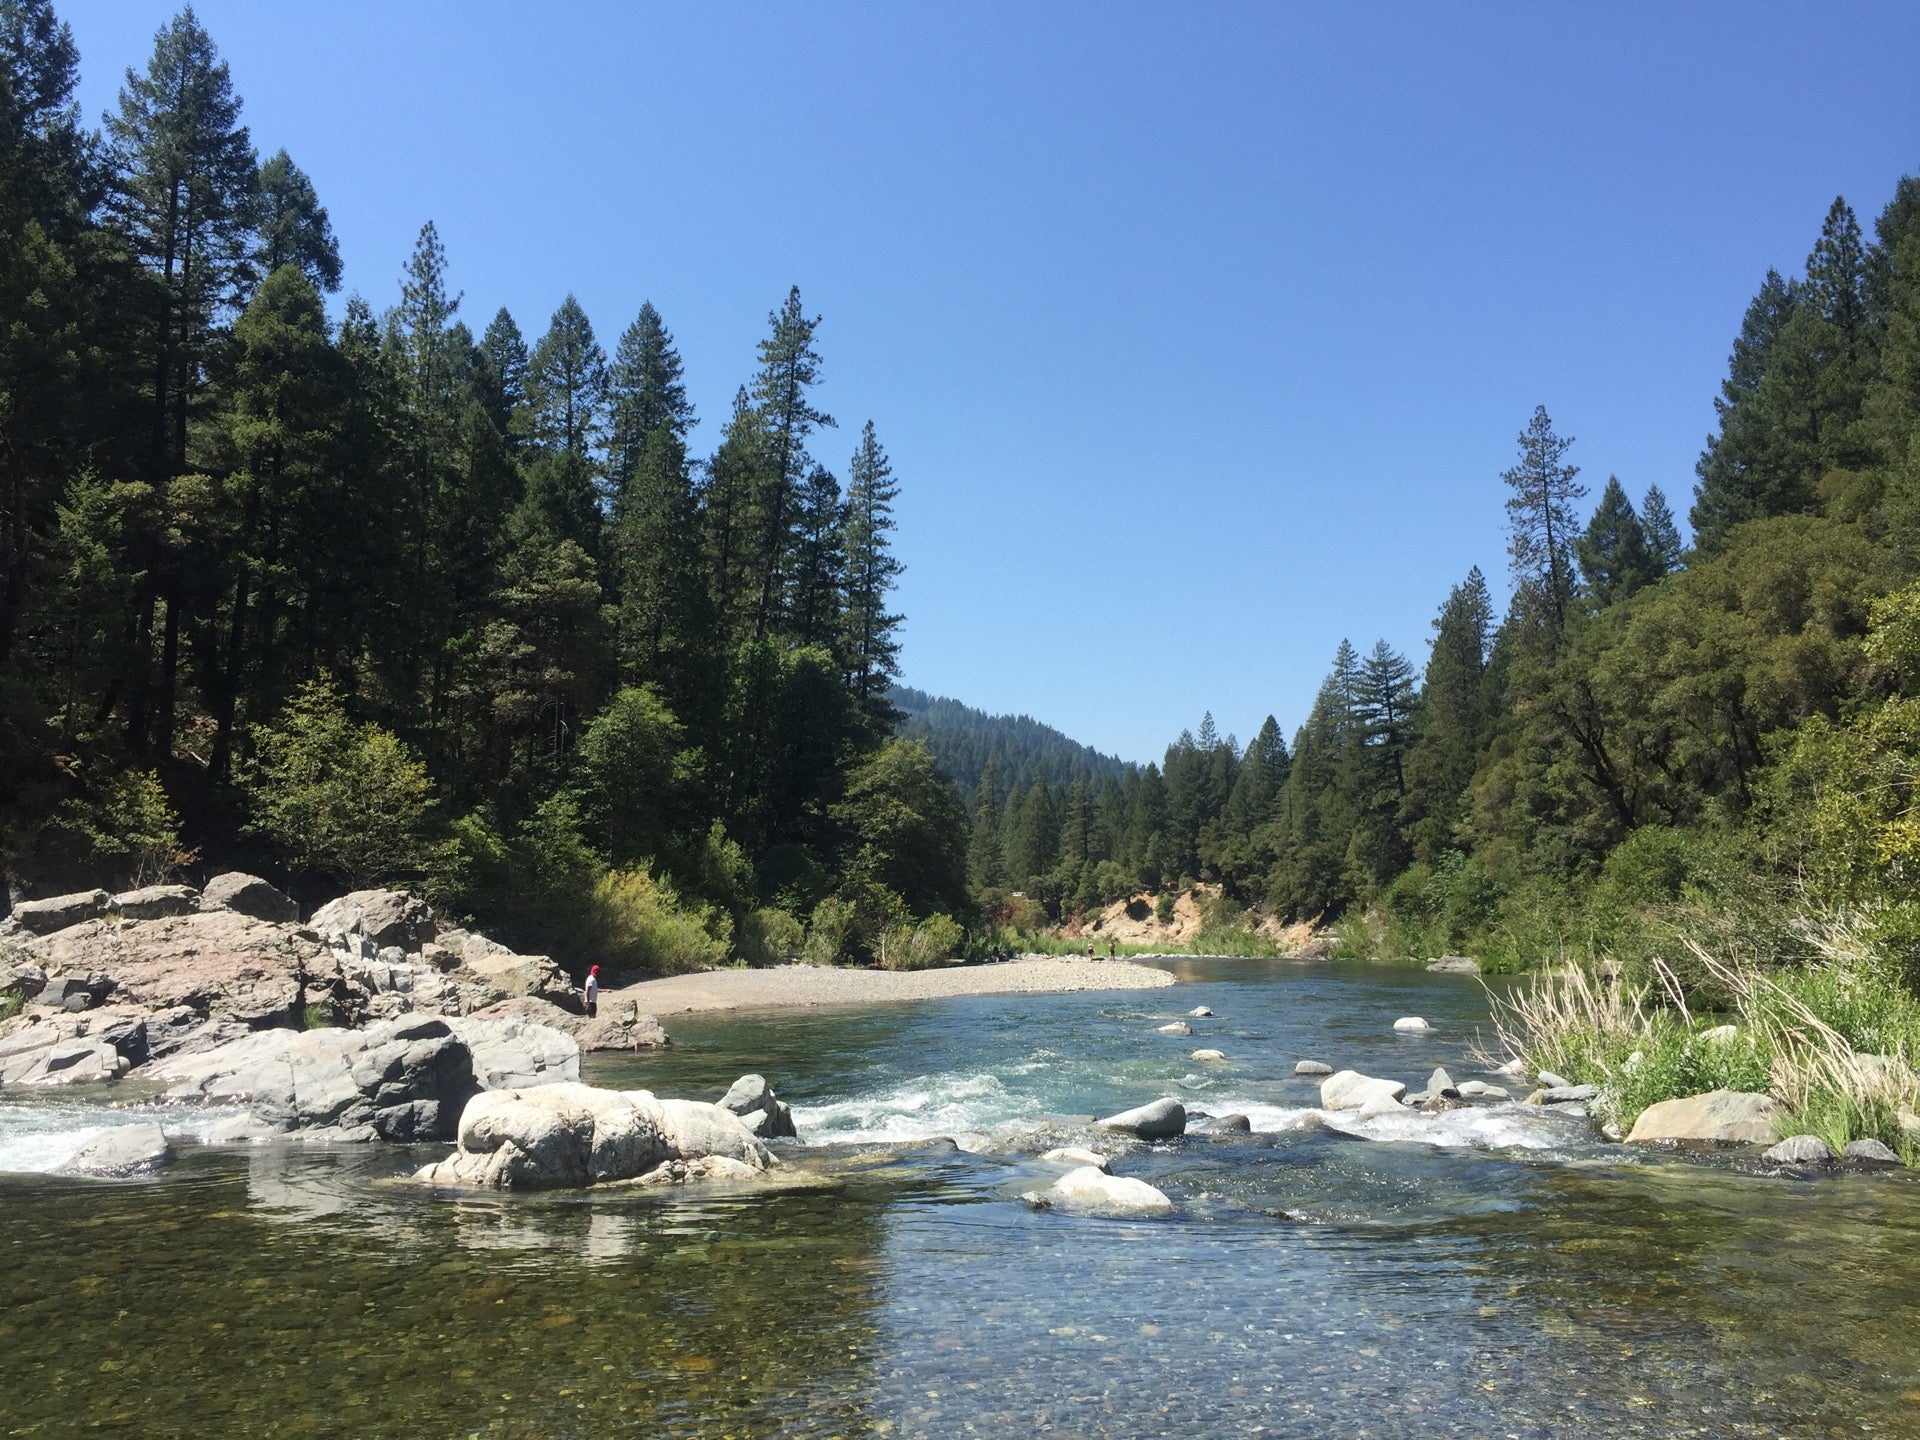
pixel 293 226
pixel 566 397
pixel 1741 470
pixel 871 573
pixel 1616 557
pixel 644 392
pixel 1456 714
pixel 789 369
pixel 819 561
pixel 1664 546
pixel 1540 517
pixel 501 375
pixel 183 191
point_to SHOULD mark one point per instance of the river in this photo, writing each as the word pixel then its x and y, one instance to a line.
pixel 1487 1272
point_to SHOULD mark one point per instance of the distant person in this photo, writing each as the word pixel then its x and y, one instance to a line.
pixel 1113 948
pixel 1089 949
pixel 593 991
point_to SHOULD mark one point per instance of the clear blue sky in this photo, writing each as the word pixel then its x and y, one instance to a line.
pixel 1199 334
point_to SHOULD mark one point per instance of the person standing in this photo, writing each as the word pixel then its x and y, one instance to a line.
pixel 593 991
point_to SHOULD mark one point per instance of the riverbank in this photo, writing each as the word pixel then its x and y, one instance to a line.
pixel 787 986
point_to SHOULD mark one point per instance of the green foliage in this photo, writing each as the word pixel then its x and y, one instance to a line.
pixel 343 798
pixel 928 942
pixel 12 1002
pixel 634 921
pixel 1163 904
pixel 770 936
pixel 127 823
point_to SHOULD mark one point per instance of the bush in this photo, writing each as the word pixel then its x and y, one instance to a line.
pixel 829 932
pixel 343 799
pixel 932 941
pixel 1163 908
pixel 771 936
pixel 126 821
pixel 634 921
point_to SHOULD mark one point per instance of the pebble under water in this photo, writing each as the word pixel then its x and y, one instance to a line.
pixel 1488 1272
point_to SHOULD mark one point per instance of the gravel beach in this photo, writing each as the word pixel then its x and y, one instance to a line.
pixel 789 985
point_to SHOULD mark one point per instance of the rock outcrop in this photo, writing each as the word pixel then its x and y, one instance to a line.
pixel 1157 1119
pixel 57 912
pixel 759 1109
pixel 59 1051
pixel 575 1135
pixel 383 917
pixel 1727 1117
pixel 249 895
pixel 154 902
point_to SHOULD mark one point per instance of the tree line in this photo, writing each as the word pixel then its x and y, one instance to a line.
pixel 394 600
pixel 1647 726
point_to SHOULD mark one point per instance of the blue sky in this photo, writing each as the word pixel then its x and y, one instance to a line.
pixel 1199 334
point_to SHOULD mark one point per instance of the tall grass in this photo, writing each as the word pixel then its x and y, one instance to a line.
pixel 1834 1039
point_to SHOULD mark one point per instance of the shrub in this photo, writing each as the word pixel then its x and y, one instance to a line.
pixel 343 799
pixel 829 932
pixel 634 921
pixel 125 820
pixel 771 936
pixel 1163 908
pixel 931 941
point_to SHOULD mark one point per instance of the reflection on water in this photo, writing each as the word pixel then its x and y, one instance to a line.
pixel 1514 1279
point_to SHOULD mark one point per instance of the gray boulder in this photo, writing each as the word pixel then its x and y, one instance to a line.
pixel 618 1026
pixel 1569 1094
pixel 1453 965
pixel 1726 1117
pixel 1157 1119
pixel 1208 1056
pixel 250 895
pixel 1312 1067
pixel 1550 1081
pixel 1199 1012
pixel 1350 1090
pixel 43 917
pixel 1800 1150
pixel 1178 1027
pixel 534 977
pixel 400 1080
pixel 575 1135
pixel 121 1152
pixel 513 1054
pixel 155 902
pixel 759 1109
pixel 74 992
pixel 1076 1156
pixel 385 917
pixel 54 1052
pixel 1411 1025
pixel 1480 1090
pixel 1871 1152
pixel 1094 1190
pixel 1235 1124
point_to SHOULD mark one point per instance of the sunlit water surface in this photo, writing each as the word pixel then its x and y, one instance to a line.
pixel 1492 1272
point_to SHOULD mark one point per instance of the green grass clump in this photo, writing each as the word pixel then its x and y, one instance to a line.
pixel 12 1002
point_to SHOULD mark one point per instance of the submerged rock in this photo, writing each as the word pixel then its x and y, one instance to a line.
pixel 1350 1090
pixel 1453 965
pixel 1800 1150
pixel 1569 1094
pixel 1178 1027
pixel 1481 1090
pixel 575 1135
pixel 1214 1055
pixel 1157 1119
pixel 1312 1067
pixel 1411 1024
pixel 1234 1124
pixel 1091 1189
pixel 123 1151
pixel 1199 1012
pixel 759 1109
pixel 1720 1117
pixel 250 895
pixel 1076 1156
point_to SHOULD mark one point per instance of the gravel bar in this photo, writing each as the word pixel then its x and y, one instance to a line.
pixel 790 985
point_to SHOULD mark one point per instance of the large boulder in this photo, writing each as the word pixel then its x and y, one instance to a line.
pixel 514 1053
pixel 250 895
pixel 154 902
pixel 57 1052
pixel 535 977
pixel 759 1109
pixel 571 1134
pixel 121 1152
pixel 1157 1119
pixel 219 964
pixel 57 912
pixel 400 1080
pixel 1725 1117
pixel 1091 1189
pixel 1350 1090
pixel 1800 1150
pixel 385 917
pixel 619 1025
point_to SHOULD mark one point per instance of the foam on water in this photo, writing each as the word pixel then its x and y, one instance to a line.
pixel 918 1109
pixel 1486 1127
pixel 40 1137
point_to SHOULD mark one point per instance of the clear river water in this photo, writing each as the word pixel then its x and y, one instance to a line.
pixel 1487 1272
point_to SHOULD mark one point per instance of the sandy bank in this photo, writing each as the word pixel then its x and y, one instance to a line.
pixel 819 985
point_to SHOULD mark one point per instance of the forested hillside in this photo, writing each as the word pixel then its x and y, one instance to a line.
pixel 964 741
pixel 413 594
pixel 1649 734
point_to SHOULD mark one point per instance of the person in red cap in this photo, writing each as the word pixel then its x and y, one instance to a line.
pixel 593 991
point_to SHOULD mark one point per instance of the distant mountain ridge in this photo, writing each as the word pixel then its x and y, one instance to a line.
pixel 963 740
